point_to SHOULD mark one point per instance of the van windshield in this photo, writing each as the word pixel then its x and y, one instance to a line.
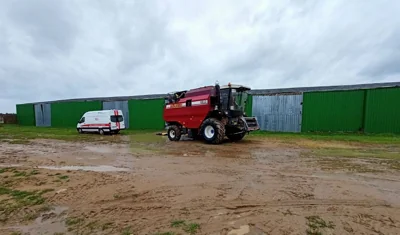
pixel 117 118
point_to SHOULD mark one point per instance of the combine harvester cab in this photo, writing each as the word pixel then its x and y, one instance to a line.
pixel 210 112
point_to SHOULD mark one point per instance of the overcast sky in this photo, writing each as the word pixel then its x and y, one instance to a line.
pixel 84 48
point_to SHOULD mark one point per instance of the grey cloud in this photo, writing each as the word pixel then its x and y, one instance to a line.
pixel 70 49
pixel 387 59
pixel 52 25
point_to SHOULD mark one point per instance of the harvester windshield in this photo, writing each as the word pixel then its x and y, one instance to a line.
pixel 239 99
pixel 234 101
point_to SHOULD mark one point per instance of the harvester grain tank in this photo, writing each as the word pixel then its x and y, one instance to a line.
pixel 210 112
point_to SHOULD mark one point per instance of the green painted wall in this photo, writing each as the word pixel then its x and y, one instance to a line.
pixel 333 111
pixel 382 112
pixel 146 114
pixel 67 114
pixel 26 114
pixel 249 106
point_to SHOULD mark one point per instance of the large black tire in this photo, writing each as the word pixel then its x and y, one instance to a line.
pixel 213 131
pixel 101 132
pixel 237 137
pixel 174 133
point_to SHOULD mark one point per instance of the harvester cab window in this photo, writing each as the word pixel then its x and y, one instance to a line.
pixel 224 98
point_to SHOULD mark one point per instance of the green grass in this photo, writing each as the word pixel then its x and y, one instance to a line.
pixel 24 198
pixel 127 231
pixel 72 221
pixel 18 199
pixel 16 233
pixel 356 153
pixel 316 223
pixel 107 226
pixel 19 173
pixel 346 137
pixel 63 177
pixel 190 228
pixel 177 223
pixel 22 134
pixel 23 173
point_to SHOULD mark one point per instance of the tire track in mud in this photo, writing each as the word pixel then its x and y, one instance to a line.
pixel 314 202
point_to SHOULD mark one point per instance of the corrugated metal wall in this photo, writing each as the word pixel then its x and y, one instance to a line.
pixel 67 114
pixel 382 112
pixel 120 105
pixel 26 114
pixel 43 114
pixel 146 114
pixel 278 112
pixel 333 111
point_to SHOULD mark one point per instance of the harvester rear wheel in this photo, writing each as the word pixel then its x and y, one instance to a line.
pixel 174 133
pixel 213 131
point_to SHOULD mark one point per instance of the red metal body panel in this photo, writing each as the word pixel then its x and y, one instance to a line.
pixel 192 116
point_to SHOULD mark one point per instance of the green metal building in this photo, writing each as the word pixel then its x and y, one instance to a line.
pixel 369 108
pixel 141 112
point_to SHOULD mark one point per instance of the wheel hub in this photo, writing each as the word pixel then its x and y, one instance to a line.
pixel 209 132
pixel 172 134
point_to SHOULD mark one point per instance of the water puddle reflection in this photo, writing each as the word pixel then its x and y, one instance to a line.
pixel 100 168
pixel 50 222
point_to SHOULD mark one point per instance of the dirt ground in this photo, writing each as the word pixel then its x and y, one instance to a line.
pixel 153 186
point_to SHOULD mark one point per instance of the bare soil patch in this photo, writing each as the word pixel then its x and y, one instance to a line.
pixel 257 186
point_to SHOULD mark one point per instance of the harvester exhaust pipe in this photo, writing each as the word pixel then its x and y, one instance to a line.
pixel 218 94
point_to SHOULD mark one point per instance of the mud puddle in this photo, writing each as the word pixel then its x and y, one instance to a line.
pixel 51 222
pixel 10 165
pixel 100 168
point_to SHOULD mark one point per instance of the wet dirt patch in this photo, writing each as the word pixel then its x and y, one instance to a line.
pixel 146 183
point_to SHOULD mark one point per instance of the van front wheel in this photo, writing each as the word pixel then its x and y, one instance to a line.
pixel 80 130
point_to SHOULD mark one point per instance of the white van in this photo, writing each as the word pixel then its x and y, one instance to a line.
pixel 110 121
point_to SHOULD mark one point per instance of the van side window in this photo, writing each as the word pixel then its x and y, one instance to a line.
pixel 82 120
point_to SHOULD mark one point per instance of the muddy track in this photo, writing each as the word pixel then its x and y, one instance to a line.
pixel 252 187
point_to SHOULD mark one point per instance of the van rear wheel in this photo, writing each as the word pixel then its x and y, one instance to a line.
pixel 101 131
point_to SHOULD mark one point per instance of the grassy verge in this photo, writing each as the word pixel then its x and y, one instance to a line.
pixel 15 134
pixel 22 134
pixel 342 137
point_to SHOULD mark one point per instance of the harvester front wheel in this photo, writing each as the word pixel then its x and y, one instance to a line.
pixel 213 131
pixel 174 133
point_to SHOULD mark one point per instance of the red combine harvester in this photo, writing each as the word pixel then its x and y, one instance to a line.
pixel 210 112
